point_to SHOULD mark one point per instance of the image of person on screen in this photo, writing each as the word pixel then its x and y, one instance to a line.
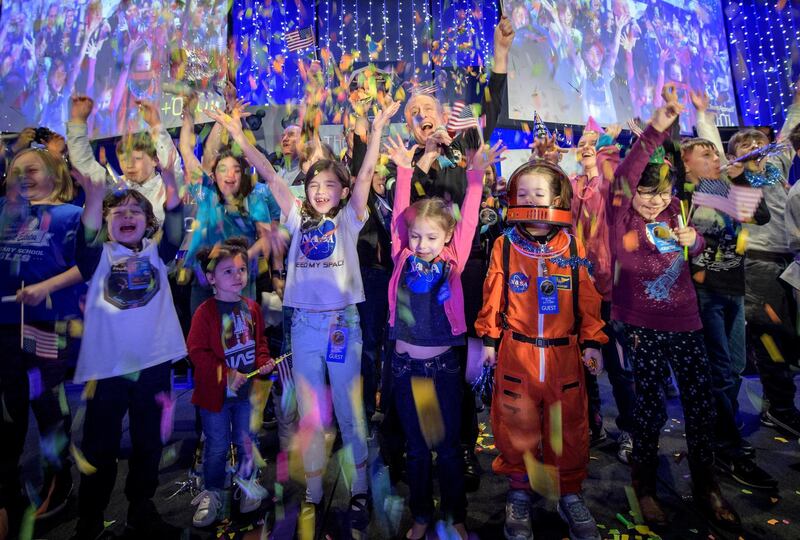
pixel 596 71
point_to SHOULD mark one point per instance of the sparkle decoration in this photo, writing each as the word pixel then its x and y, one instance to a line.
pixel 763 41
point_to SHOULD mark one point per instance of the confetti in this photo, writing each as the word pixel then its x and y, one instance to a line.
pixel 428 412
pixel 771 314
pixel 543 478
pixel 781 440
pixel 556 437
pixel 772 349
pixel 83 465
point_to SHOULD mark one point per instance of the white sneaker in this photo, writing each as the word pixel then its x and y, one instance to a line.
pixel 208 508
pixel 250 494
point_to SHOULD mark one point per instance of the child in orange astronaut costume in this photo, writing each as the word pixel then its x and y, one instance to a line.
pixel 540 299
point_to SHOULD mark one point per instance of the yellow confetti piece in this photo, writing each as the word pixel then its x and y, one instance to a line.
pixel 428 412
pixel 543 478
pixel 633 501
pixel 747 492
pixel 781 440
pixel 741 241
pixel 83 465
pixel 556 436
pixel 419 188
pixel 357 400
pixel 456 212
pixel 772 521
pixel 88 390
pixel 772 349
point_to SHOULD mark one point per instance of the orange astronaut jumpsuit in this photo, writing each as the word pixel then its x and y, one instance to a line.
pixel 539 362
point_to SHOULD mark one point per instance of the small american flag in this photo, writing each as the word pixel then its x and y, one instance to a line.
pixel 39 342
pixel 299 39
pixel 739 202
pixel 424 89
pixel 461 117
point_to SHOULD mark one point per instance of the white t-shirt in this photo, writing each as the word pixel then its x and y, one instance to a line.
pixel 130 322
pixel 322 270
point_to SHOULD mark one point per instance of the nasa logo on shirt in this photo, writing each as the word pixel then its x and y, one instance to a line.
pixel 518 282
pixel 319 243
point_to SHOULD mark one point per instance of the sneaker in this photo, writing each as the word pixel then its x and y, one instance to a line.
pixel 359 512
pixel 625 443
pixel 745 471
pixel 518 516
pixel 208 508
pixel 249 493
pixel 787 422
pixel 573 511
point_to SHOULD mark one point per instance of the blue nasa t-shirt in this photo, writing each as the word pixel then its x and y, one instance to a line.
pixel 322 270
pixel 238 334
pixel 37 242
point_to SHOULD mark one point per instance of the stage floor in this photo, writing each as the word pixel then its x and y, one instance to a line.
pixel 775 516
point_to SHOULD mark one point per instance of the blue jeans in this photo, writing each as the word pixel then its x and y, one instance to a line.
pixel 231 423
pixel 446 374
pixel 723 329
pixel 320 382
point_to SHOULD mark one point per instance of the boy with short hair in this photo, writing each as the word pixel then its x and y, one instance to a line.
pixel 768 255
pixel 139 154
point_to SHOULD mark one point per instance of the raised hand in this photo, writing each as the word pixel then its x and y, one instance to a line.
pixel 149 112
pixel 231 122
pixel 385 115
pixel 634 126
pixel 190 102
pixel 669 93
pixel 665 116
pixel 486 156
pixel 398 153
pixel 503 35
pixel 699 99
pixel 80 108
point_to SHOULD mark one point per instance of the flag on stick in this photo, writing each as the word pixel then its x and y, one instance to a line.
pixel 739 202
pixel 462 117
pixel 299 39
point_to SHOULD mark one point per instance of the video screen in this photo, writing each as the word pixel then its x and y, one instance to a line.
pixel 114 51
pixel 609 59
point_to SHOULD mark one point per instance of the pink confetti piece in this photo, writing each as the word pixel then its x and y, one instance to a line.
pixel 167 415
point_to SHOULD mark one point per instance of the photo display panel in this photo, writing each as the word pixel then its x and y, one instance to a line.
pixel 114 51
pixel 610 58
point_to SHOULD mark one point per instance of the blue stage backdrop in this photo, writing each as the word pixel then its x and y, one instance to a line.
pixel 764 37
pixel 418 40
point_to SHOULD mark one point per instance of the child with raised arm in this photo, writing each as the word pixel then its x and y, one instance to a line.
pixel 323 286
pixel 139 154
pixel 131 336
pixel 430 248
pixel 655 301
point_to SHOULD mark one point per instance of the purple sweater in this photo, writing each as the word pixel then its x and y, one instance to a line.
pixel 651 289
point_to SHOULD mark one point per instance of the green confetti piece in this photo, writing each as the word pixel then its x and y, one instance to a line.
pixel 133 377
pixel 28 521
pixel 62 400
pixel 633 501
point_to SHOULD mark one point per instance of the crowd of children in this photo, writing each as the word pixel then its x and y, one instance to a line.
pixel 401 276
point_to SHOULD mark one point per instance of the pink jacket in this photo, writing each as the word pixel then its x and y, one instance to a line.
pixel 455 253
pixel 589 217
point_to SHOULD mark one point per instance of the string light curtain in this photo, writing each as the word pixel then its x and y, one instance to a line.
pixel 418 39
pixel 764 37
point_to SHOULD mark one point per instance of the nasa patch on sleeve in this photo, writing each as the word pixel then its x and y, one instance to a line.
pixel 518 282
